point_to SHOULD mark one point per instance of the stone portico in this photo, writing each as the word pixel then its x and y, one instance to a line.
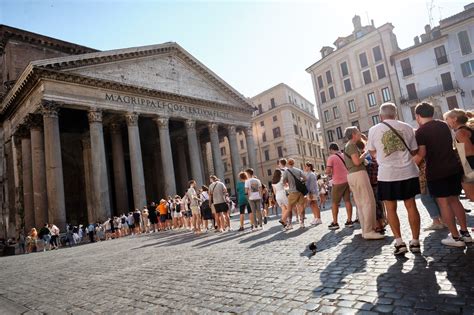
pixel 93 135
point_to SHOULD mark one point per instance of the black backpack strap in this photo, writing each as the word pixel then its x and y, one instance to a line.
pixel 398 135
pixel 341 157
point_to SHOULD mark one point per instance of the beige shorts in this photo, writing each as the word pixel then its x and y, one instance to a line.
pixel 311 197
pixel 295 198
pixel 195 210
pixel 340 191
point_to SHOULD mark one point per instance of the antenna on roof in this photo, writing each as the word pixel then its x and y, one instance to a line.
pixel 367 16
pixel 429 7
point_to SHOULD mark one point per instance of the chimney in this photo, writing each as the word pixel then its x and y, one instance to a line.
pixel 372 22
pixel 427 29
pixel 416 40
pixel 326 50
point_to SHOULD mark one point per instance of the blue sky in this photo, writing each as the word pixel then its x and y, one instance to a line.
pixel 253 45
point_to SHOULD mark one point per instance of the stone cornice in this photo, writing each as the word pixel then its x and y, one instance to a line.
pixel 8 32
pixel 36 74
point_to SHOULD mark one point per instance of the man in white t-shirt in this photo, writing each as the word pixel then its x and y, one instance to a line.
pixel 393 143
pixel 253 189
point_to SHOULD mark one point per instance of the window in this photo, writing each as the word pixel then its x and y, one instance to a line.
pixel 227 181
pixel 335 111
pixel 411 90
pixel 339 132
pixel 412 109
pixel 467 68
pixel 272 103
pixel 344 69
pixel 226 167
pixel 356 124
pixel 464 43
pixel 381 71
pixel 452 102
pixel 440 53
pixel 372 99
pixel 363 60
pixel 264 137
pixel 326 116
pixel 406 67
pixel 280 152
pixel 320 82
pixel 386 94
pixel 276 132
pixel 347 85
pixel 330 135
pixel 244 161
pixel 296 129
pixel 375 120
pixel 328 77
pixel 447 82
pixel 299 149
pixel 367 77
pixel 331 92
pixel 275 118
pixel 267 155
pixel 323 97
pixel 269 172
pixel 242 144
pixel 222 150
pixel 352 106
pixel 260 109
pixel 262 123
pixel 377 53
pixel 301 131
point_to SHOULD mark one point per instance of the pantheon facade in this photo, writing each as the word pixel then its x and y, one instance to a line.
pixel 96 134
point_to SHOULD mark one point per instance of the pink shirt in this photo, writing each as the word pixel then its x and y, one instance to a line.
pixel 339 170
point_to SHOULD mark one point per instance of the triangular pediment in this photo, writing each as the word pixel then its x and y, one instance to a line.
pixel 167 73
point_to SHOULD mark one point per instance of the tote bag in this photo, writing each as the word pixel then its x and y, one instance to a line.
pixel 468 172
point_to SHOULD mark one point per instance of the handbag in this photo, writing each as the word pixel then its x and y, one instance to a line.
pixel 468 172
pixel 300 186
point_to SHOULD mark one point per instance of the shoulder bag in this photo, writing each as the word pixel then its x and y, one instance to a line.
pixel 399 136
pixel 300 186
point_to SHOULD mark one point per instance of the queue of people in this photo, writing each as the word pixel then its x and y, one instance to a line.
pixel 393 163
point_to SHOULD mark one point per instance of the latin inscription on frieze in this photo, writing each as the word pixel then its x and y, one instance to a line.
pixel 165 107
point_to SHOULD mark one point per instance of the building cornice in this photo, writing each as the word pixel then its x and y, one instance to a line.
pixel 10 33
pixel 421 45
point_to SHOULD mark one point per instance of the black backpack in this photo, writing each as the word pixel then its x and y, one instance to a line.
pixel 300 186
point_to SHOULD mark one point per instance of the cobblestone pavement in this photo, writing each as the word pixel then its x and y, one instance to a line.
pixel 236 272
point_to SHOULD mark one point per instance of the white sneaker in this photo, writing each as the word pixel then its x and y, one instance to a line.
pixel 450 241
pixel 316 222
pixel 373 236
pixel 434 226
pixel 289 227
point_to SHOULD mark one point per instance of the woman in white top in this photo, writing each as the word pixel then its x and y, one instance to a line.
pixel 280 191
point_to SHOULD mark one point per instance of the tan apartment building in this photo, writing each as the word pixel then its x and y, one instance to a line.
pixel 283 125
pixel 351 81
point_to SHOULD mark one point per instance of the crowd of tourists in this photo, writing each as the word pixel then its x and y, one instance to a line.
pixel 393 163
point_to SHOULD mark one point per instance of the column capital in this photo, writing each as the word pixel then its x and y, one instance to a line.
pixel 33 121
pixel 248 131
pixel 232 129
pixel 131 119
pixel 22 131
pixel 213 127
pixel 49 108
pixel 190 124
pixel 162 122
pixel 94 115
pixel 115 128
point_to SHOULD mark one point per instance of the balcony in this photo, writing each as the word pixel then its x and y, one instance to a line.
pixel 430 91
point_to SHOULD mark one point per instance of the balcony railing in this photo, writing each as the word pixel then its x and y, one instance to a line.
pixel 430 91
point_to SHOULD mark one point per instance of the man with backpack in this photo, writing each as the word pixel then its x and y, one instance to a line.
pixel 294 177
